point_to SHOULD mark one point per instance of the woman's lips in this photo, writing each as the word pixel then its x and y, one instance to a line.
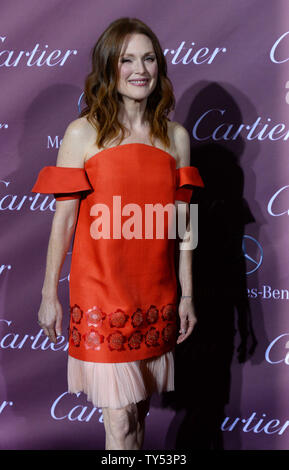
pixel 139 82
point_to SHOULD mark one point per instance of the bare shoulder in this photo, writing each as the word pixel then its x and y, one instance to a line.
pixel 80 126
pixel 181 140
pixel 80 129
pixel 76 138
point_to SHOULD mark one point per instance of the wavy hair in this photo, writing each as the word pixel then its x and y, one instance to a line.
pixel 100 91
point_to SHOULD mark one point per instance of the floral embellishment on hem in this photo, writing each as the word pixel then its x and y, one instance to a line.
pixel 92 339
pixel 152 336
pixel 117 319
pixel 152 314
pixel 75 337
pixel 137 318
pixel 135 339
pixel 95 316
pixel 76 314
pixel 168 332
pixel 143 329
pixel 116 341
pixel 168 312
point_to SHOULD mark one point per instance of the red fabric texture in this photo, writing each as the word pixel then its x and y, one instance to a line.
pixel 63 182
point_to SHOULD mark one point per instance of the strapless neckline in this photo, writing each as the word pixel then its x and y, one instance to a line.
pixel 109 149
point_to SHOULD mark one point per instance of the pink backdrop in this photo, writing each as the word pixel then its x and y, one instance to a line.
pixel 228 62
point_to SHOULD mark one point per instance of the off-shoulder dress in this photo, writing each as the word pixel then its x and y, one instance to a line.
pixel 122 285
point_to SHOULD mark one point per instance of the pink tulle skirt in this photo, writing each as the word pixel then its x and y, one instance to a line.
pixel 116 385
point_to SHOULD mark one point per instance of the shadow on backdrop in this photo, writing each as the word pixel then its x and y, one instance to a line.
pixel 203 361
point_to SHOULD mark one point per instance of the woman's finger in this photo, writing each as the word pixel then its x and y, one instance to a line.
pixel 49 331
pixel 45 330
pixel 52 335
pixel 183 324
pixel 58 325
pixel 185 332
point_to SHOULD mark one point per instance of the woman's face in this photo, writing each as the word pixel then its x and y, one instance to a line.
pixel 137 67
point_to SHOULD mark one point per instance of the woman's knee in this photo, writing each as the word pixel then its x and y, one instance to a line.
pixel 122 420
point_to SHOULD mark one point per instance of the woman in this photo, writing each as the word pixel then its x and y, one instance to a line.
pixel 122 151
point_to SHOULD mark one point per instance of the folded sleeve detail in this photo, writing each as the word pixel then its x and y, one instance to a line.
pixel 187 177
pixel 63 182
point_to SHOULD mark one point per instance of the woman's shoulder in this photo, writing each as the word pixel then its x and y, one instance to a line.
pixel 177 130
pixel 77 137
pixel 85 133
pixel 81 127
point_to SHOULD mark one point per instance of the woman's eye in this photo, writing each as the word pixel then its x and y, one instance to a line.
pixel 148 58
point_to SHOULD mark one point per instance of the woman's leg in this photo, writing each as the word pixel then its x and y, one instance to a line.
pixel 121 428
pixel 124 427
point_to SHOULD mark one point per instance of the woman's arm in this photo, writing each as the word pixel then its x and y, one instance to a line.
pixel 186 307
pixel 70 154
pixel 185 256
pixel 63 224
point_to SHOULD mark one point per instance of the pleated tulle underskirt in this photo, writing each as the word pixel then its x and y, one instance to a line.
pixel 116 385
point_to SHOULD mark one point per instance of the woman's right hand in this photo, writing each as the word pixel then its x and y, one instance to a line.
pixel 50 317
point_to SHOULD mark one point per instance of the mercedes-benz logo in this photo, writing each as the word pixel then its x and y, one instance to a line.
pixel 253 253
pixel 79 102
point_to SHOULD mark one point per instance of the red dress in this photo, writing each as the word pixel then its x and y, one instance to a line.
pixel 123 286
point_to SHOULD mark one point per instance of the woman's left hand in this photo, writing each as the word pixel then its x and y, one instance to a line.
pixel 187 318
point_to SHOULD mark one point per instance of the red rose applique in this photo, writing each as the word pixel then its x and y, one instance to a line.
pixel 116 341
pixel 75 337
pixel 168 332
pixel 92 339
pixel 117 319
pixel 152 314
pixel 151 337
pixel 135 340
pixel 168 312
pixel 137 318
pixel 76 314
pixel 95 316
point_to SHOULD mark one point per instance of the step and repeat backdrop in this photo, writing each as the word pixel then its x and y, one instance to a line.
pixel 229 65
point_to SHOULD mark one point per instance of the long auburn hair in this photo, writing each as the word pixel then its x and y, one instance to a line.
pixel 100 91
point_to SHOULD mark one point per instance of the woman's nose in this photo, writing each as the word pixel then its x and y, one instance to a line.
pixel 140 66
